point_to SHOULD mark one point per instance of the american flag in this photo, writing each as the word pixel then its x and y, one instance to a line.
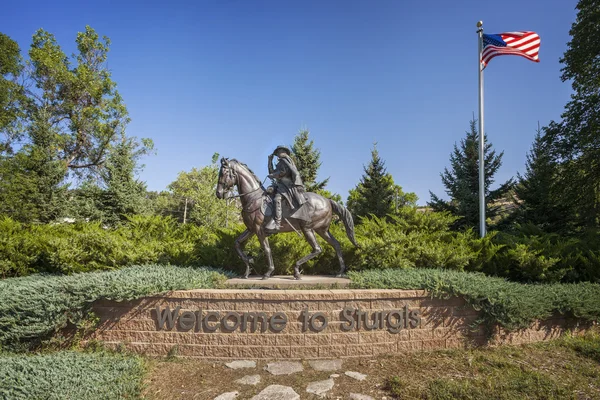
pixel 524 44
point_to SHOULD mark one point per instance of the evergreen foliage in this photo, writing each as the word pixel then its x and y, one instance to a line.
pixel 31 186
pixel 538 192
pixel 412 239
pixel 12 96
pixel 576 138
pixel 508 304
pixel 307 160
pixel 72 375
pixel 462 181
pixel 375 193
pixel 36 306
pixel 124 195
pixel 69 123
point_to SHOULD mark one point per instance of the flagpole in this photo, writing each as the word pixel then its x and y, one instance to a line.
pixel 481 136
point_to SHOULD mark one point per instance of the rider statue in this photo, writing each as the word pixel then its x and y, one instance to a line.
pixel 287 183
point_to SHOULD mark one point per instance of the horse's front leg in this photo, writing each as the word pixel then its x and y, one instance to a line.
pixel 239 247
pixel 264 243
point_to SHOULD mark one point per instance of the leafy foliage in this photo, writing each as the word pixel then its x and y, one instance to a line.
pixel 71 375
pixel 509 304
pixel 462 181
pixel 197 188
pixel 36 306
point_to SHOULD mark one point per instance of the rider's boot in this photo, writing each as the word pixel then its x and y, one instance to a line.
pixel 277 217
pixel 275 224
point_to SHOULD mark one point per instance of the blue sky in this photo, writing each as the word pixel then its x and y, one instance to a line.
pixel 239 77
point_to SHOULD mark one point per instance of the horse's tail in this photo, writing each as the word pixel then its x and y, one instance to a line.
pixel 345 216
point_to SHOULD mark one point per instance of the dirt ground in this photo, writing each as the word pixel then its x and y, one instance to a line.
pixel 542 371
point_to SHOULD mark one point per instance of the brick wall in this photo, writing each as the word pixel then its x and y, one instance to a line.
pixel 442 324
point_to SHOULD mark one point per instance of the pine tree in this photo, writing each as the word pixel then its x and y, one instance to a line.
pixel 124 194
pixel 576 139
pixel 462 181
pixel 307 160
pixel 538 191
pixel 375 193
pixel 31 181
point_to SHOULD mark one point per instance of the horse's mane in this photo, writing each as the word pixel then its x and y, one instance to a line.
pixel 248 169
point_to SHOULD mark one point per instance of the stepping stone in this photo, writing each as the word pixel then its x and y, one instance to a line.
pixel 320 388
pixel 334 375
pixel 277 392
pixel 284 368
pixel 227 396
pixel 356 375
pixel 357 396
pixel 249 380
pixel 326 365
pixel 241 364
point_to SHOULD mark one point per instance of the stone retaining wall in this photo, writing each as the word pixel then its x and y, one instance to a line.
pixel 289 324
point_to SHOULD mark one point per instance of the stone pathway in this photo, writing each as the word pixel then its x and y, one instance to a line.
pixel 284 367
pixel 241 364
pixel 320 388
pixel 277 392
pixel 357 396
pixel 280 392
pixel 228 396
pixel 249 380
pixel 356 375
pixel 325 365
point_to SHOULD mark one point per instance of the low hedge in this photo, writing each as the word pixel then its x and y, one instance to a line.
pixel 408 239
pixel 36 306
pixel 509 304
pixel 70 375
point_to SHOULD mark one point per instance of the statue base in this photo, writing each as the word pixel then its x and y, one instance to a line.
pixel 288 282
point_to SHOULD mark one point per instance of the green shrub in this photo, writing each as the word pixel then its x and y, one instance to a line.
pixel 531 255
pixel 414 239
pixel 509 304
pixel 36 306
pixel 70 375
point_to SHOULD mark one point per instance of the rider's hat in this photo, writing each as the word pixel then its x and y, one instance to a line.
pixel 282 148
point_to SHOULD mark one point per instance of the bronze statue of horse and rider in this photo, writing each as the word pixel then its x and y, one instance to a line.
pixel 283 207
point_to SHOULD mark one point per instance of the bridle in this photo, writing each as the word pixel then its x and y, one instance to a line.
pixel 233 175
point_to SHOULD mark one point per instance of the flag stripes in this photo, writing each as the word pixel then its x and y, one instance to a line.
pixel 524 44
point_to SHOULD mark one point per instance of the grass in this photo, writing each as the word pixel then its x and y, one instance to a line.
pixel 562 369
pixel 566 368
pixel 71 375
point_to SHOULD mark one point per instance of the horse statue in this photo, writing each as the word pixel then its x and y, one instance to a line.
pixel 253 197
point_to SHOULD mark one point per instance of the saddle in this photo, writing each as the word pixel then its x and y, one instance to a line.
pixel 268 210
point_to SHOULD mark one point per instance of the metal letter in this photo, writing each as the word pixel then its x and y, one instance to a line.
pixel 206 326
pixel 278 321
pixel 187 320
pixel 225 320
pixel 313 319
pixel 348 317
pixel 167 316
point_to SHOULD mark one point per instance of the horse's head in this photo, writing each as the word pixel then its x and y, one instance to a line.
pixel 227 178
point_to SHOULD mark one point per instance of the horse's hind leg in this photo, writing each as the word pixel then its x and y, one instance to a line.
pixel 325 234
pixel 239 247
pixel 264 243
pixel 309 234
